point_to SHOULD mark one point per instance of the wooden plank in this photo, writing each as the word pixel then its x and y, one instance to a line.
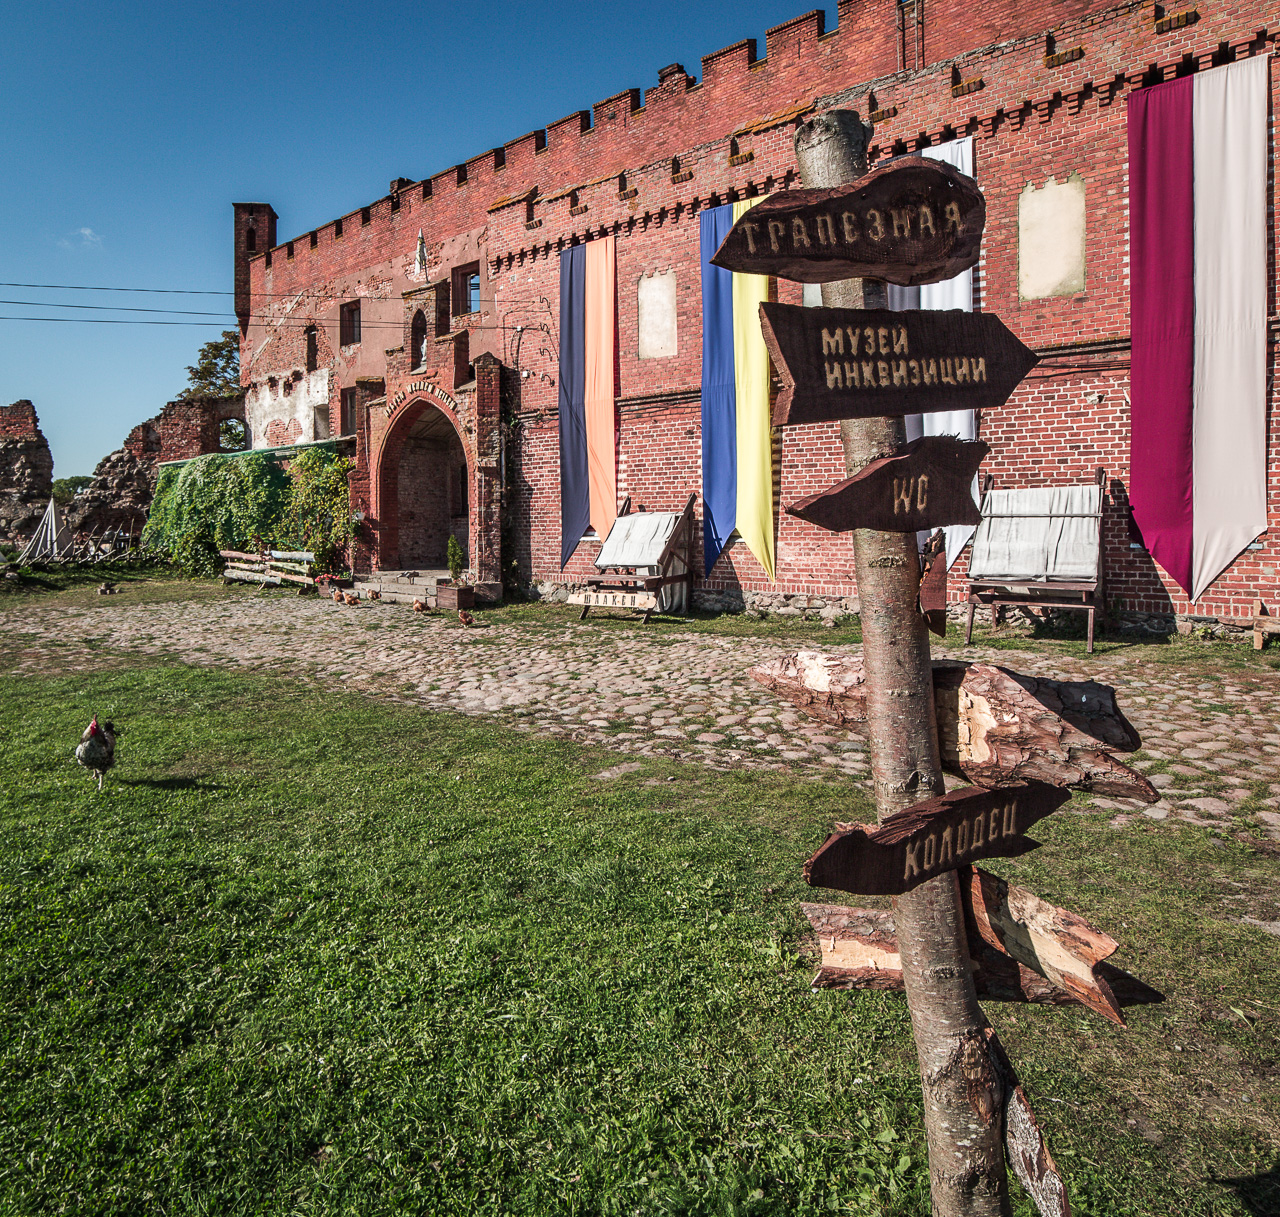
pixel 912 221
pixel 299 555
pixel 233 553
pixel 860 951
pixel 838 363
pixel 995 727
pixel 260 568
pixel 926 484
pixel 938 835
pixel 304 579
pixel 245 577
pixel 1060 946
pixel 1025 1146
pixel 635 600
pixel 300 567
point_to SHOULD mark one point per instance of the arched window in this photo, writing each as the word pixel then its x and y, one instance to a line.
pixel 733 148
pixel 418 340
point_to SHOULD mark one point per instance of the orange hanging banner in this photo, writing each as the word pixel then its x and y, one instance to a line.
pixel 601 365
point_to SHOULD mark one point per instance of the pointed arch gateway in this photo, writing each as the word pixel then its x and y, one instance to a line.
pixel 423 478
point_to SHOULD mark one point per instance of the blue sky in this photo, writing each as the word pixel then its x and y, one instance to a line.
pixel 131 128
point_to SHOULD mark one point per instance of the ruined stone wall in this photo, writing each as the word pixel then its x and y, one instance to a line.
pixel 26 471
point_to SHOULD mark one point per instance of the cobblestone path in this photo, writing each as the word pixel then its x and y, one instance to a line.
pixel 1211 742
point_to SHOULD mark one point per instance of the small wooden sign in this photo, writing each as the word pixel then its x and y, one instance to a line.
pixel 631 600
pixel 925 484
pixel 911 221
pixel 867 363
pixel 938 835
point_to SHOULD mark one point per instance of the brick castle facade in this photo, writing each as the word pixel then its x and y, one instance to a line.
pixel 441 362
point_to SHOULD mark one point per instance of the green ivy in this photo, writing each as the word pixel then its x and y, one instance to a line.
pixel 248 503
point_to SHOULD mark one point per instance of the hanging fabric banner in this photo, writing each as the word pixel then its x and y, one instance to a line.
pixel 737 437
pixel 955 293
pixel 588 375
pixel 600 378
pixel 1197 234
pixel 575 500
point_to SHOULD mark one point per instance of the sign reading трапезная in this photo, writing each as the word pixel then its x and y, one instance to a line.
pixel 839 363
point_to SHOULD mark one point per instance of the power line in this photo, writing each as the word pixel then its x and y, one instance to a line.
pixel 115 308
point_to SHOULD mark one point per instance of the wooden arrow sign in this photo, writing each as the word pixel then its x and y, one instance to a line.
pixel 866 363
pixel 925 484
pixel 938 835
pixel 911 221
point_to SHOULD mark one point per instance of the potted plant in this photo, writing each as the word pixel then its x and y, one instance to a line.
pixel 455 594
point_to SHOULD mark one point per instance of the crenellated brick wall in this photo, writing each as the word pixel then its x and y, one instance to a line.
pixel 642 165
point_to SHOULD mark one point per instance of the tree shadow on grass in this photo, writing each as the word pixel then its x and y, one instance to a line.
pixel 1260 1194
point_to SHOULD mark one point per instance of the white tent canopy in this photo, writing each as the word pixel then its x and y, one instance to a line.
pixel 52 539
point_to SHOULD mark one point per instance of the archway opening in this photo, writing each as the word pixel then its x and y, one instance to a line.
pixel 432 492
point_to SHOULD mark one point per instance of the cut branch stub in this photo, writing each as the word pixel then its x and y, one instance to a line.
pixel 912 221
pixel 995 727
pixel 940 834
pixel 926 484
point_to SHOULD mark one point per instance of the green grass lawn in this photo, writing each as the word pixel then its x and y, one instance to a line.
pixel 310 953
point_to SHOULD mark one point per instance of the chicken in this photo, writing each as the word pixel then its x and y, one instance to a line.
pixel 97 748
pixel 466 618
pixel 351 598
pixel 337 595
pixel 419 607
pixel 373 594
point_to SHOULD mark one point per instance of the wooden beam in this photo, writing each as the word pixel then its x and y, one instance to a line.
pixel 995 727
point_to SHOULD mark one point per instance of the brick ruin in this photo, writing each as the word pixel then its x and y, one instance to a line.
pixel 26 471
pixel 124 481
pixel 432 358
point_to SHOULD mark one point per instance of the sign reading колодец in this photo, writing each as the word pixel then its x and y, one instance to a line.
pixel 911 221
pixel 934 836
pixel 868 363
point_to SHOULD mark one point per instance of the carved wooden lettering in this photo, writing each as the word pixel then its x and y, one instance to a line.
pixel 635 600
pixel 866 363
pixel 938 835
pixel 912 221
pixel 925 484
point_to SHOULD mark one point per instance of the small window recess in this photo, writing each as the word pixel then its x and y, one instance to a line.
pixel 677 173
pixel 623 192
pixel 530 220
pixel 395 202
pixel 313 350
pixel 348 412
pixel 575 207
pixel 288 251
pixel 337 230
pixel 462 174
pixel 366 214
pixel 251 240
pixel 315 238
pixel 418 340
pixel 465 289
pixel 737 156
pixel 349 323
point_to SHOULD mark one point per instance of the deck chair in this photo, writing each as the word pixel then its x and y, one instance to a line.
pixel 648 557
pixel 1039 547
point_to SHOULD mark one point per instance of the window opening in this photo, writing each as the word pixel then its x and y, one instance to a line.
pixel 251 240
pixel 349 323
pixel 466 289
pixel 418 340
pixel 313 351
pixel 348 411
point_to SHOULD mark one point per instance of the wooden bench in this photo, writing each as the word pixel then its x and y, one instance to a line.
pixel 271 568
pixel 1039 547
pixel 649 557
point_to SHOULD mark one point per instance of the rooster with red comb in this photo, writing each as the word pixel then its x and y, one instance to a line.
pixel 97 748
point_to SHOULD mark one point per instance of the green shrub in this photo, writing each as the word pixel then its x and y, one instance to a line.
pixel 454 558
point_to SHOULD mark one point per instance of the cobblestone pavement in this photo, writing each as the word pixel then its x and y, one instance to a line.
pixel 1211 743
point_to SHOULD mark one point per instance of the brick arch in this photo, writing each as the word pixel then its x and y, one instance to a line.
pixel 386 473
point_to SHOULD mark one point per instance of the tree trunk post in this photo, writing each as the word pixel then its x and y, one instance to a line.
pixel 963 1093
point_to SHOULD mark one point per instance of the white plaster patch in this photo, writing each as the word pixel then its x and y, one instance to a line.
pixel 306 400
pixel 1051 227
pixel 656 321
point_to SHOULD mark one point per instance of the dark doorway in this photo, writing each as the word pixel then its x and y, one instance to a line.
pixel 432 492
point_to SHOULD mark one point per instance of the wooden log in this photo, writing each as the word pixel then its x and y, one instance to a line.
pixel 860 951
pixel 232 553
pixel 300 555
pixel 301 568
pixel 304 579
pixel 246 577
pixel 256 568
pixel 995 727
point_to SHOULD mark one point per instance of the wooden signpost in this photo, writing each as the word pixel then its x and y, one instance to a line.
pixel 927 484
pixel 631 600
pixel 913 221
pixel 933 583
pixel 937 835
pixel 837 363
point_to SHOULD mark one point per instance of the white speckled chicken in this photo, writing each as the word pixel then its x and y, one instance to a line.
pixel 97 748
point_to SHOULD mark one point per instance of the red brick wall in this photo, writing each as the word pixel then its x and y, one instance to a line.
pixel 428 513
pixel 19 421
pixel 1030 122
